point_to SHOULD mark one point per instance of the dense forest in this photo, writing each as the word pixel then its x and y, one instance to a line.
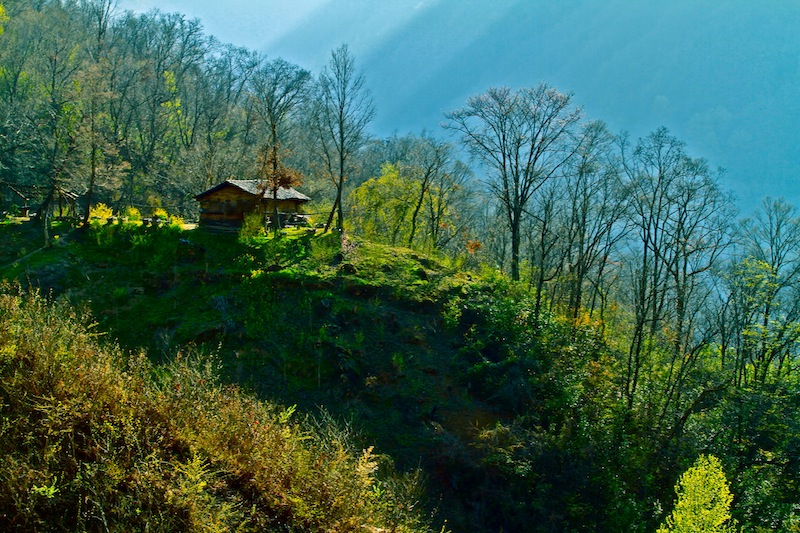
pixel 615 321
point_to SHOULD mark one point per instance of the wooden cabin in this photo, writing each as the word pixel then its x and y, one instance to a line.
pixel 227 203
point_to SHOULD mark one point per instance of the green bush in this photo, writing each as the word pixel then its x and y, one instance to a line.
pixel 326 248
pixel 252 227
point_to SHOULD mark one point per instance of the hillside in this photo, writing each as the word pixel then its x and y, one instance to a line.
pixel 388 341
pixel 562 333
pixel 504 419
pixel 97 439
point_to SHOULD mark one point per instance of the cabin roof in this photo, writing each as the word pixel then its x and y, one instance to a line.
pixel 252 187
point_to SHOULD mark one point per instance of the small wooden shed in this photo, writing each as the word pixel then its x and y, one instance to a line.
pixel 228 202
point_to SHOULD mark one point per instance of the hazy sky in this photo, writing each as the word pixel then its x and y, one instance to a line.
pixel 724 76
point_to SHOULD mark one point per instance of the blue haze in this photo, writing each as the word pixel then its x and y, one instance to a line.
pixel 723 76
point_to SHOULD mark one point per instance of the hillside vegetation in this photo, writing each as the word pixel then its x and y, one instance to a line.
pixel 94 440
pixel 568 332
pixel 479 411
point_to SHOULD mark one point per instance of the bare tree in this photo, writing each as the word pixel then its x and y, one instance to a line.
pixel 680 220
pixel 523 138
pixel 58 65
pixel 338 119
pixel 451 211
pixel 596 210
pixel 277 90
pixel 545 232
pixel 220 94
pixel 430 160
pixel 764 285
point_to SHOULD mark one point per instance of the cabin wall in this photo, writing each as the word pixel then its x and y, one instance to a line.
pixel 229 205
pixel 284 206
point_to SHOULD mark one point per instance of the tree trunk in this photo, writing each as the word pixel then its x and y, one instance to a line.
pixel 44 216
pixel 515 239
pixel 276 220
pixel 92 179
pixel 329 223
pixel 415 214
pixel 339 214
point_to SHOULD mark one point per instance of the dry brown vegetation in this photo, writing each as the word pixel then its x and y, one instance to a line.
pixel 93 440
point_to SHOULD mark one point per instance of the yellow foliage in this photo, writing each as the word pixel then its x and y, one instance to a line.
pixel 253 226
pixel 132 214
pixel 101 211
pixel 704 500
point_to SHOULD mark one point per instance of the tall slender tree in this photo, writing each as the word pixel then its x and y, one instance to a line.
pixel 680 221
pixel 596 218
pixel 59 63
pixel 338 119
pixel 277 90
pixel 523 138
